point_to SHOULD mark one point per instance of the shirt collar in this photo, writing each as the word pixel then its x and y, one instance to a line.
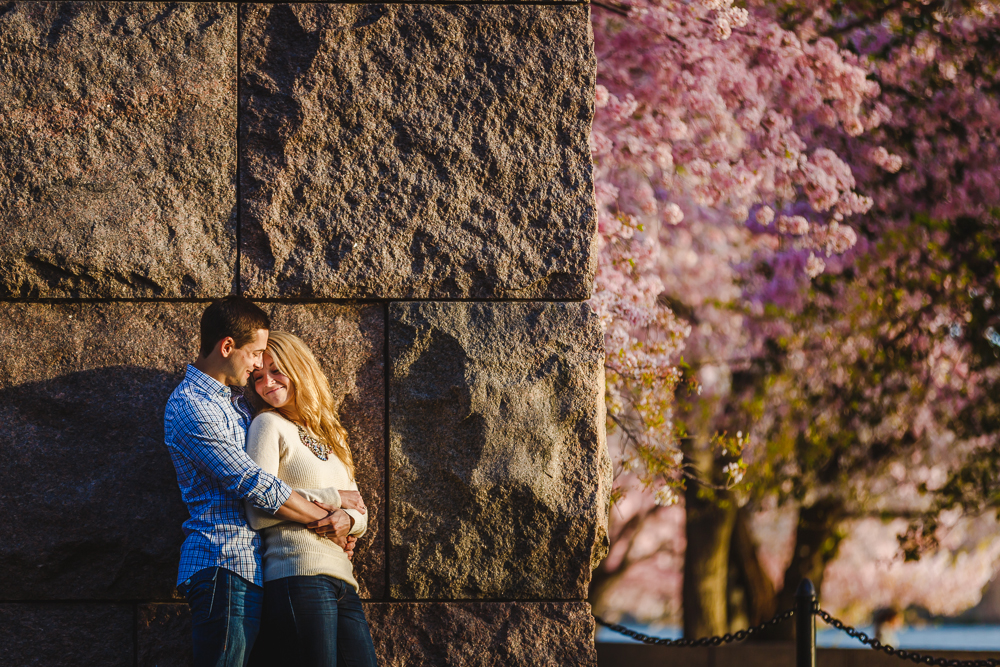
pixel 207 384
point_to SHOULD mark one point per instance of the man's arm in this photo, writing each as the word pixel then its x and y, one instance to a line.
pixel 203 442
pixel 300 510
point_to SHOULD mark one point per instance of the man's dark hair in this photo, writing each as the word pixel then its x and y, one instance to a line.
pixel 233 317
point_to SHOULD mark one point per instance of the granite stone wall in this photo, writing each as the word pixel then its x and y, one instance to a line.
pixel 408 187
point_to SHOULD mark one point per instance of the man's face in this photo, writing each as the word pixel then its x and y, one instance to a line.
pixel 245 360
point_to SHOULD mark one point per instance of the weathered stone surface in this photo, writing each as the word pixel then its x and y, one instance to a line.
pixel 471 634
pixel 498 466
pixel 118 146
pixel 349 342
pixel 408 150
pixel 88 494
pixel 454 634
pixel 44 635
pixel 163 635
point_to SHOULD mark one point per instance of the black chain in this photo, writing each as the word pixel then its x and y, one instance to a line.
pixel 912 656
pixel 740 635
pixel 737 636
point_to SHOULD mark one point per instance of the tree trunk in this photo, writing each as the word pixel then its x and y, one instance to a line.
pixel 709 528
pixel 752 597
pixel 816 542
pixel 603 578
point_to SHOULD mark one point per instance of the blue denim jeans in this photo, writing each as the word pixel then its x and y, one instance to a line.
pixel 313 621
pixel 225 617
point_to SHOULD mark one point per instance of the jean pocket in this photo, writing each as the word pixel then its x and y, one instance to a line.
pixel 201 594
pixel 345 588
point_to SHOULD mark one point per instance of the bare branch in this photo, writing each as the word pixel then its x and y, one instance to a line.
pixel 617 9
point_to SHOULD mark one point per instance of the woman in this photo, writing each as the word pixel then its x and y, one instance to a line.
pixel 312 613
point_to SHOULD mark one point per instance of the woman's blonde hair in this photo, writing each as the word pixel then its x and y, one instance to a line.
pixel 311 393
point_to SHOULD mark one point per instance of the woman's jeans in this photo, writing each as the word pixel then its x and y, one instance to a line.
pixel 314 621
pixel 225 617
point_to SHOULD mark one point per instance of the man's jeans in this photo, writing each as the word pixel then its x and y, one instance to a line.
pixel 225 617
pixel 314 621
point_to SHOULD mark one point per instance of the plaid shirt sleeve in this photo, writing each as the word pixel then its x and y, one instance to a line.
pixel 203 442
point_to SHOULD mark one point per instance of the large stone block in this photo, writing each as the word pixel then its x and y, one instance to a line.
pixel 118 146
pixel 349 342
pixel 474 634
pixel 435 634
pixel 88 494
pixel 498 466
pixel 163 635
pixel 88 497
pixel 417 150
pixel 47 635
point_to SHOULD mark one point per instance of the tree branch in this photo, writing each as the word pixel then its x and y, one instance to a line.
pixel 616 9
pixel 862 21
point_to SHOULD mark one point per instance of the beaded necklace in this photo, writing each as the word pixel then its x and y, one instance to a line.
pixel 321 451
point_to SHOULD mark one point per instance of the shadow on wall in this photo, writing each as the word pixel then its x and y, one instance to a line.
pixel 89 496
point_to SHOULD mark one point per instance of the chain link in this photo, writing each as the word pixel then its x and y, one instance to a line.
pixel 912 656
pixel 737 636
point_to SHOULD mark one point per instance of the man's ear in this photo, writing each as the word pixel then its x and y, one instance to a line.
pixel 226 346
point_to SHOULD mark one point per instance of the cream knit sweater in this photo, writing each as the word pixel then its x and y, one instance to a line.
pixel 289 548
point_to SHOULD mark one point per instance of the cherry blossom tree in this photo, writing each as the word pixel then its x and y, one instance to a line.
pixel 696 126
pixel 887 367
pixel 722 142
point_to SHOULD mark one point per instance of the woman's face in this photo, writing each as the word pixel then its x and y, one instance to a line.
pixel 272 385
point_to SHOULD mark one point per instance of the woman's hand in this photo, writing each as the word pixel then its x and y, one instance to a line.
pixel 347 544
pixel 352 500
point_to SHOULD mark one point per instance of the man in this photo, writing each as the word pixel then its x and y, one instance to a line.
pixel 205 424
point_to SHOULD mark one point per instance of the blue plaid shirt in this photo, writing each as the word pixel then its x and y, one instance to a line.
pixel 205 426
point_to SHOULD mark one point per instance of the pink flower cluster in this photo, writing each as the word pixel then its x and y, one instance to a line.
pixel 869 572
pixel 703 113
pixel 702 127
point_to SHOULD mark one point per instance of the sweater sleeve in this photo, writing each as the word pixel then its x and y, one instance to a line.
pixel 327 496
pixel 360 520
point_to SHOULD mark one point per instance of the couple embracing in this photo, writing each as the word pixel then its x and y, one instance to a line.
pixel 265 471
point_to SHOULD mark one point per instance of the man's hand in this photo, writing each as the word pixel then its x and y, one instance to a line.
pixel 352 500
pixel 337 523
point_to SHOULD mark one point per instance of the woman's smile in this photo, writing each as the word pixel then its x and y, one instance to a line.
pixel 271 384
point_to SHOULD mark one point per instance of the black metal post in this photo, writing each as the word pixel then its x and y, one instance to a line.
pixel 805 625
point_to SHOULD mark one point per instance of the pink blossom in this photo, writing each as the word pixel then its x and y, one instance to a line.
pixel 601 96
pixel 814 266
pixel 795 225
pixel 672 214
pixel 880 156
pixel 765 214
